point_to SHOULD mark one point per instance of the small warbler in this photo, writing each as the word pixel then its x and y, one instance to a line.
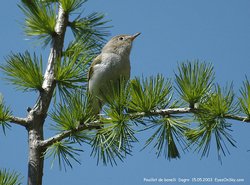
pixel 110 65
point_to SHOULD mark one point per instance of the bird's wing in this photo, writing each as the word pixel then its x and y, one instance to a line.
pixel 97 60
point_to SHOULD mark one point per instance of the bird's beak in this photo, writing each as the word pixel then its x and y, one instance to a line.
pixel 135 35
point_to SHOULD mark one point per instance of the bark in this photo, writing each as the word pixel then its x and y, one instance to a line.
pixel 18 121
pixel 38 113
pixel 35 161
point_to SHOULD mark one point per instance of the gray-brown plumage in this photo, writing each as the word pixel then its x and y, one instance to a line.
pixel 112 64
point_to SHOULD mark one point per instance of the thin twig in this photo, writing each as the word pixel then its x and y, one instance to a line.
pixel 237 117
pixel 164 112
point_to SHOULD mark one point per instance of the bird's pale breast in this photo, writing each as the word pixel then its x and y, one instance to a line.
pixel 111 68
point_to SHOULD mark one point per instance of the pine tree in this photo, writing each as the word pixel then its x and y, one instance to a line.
pixel 189 117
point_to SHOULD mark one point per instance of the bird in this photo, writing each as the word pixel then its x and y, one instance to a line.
pixel 112 64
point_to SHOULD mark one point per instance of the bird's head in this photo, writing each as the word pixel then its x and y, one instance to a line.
pixel 120 44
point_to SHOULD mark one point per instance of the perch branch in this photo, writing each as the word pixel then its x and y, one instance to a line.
pixel 163 112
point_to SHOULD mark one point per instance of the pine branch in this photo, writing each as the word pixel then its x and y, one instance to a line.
pixel 19 121
pixel 162 112
pixel 48 142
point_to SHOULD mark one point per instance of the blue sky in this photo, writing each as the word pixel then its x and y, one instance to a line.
pixel 172 31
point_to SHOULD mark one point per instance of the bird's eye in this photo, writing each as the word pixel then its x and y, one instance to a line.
pixel 121 38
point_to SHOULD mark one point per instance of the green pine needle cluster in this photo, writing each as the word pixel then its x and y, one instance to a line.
pixel 64 151
pixel 70 74
pixel 150 93
pixel 40 20
pixel 68 116
pixel 117 97
pixel 168 132
pixel 245 98
pixel 8 177
pixel 71 5
pixel 24 71
pixel 72 113
pixel 91 25
pixel 219 103
pixel 116 136
pixel 5 114
pixel 117 133
pixel 105 152
pixel 194 81
pixel 212 122
pixel 83 48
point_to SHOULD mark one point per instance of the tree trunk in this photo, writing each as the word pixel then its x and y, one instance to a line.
pixel 38 113
pixel 36 159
